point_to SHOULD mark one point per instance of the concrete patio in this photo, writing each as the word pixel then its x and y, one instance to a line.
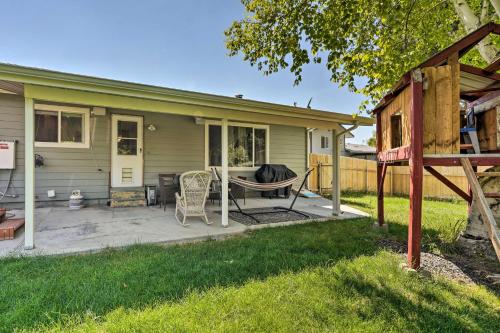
pixel 59 230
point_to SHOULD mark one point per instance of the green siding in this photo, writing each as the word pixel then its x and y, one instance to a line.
pixel 176 146
pixel 12 128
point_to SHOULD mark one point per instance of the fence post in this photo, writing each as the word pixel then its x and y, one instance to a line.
pixel 366 176
pixel 320 179
pixel 392 181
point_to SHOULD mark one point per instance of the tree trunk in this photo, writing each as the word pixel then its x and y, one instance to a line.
pixel 471 22
pixel 484 12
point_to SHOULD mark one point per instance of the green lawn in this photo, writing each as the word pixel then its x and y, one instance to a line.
pixel 316 277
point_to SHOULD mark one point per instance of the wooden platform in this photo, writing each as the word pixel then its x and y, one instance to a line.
pixel 8 228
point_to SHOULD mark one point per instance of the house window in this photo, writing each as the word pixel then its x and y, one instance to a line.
pixel 324 142
pixel 61 126
pixel 247 145
pixel 396 131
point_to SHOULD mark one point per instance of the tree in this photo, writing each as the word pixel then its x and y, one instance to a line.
pixel 379 40
pixel 372 141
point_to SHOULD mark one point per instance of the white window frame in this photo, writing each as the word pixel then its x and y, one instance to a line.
pixel 254 126
pixel 66 109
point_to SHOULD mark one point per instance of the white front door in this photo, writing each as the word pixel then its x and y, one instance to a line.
pixel 126 151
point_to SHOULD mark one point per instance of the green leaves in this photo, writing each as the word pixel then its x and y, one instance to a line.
pixel 379 40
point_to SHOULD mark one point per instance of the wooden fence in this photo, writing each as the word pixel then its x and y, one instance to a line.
pixel 361 175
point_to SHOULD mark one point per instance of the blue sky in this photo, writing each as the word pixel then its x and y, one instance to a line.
pixel 177 44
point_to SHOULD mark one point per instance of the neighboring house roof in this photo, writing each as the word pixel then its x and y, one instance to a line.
pixel 471 78
pixel 55 86
pixel 358 149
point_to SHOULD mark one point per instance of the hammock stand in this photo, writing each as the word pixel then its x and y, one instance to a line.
pixel 266 187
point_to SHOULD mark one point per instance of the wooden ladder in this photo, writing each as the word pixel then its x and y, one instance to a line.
pixel 484 207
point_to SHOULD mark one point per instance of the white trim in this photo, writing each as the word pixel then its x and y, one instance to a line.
pixel 335 174
pixel 29 174
pixel 66 109
pixel 225 174
pixel 209 122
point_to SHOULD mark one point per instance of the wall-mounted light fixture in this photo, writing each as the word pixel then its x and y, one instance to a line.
pixel 151 128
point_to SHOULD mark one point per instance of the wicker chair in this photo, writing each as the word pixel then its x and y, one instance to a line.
pixel 194 192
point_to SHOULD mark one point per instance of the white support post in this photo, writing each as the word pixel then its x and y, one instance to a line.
pixel 335 174
pixel 225 175
pixel 29 174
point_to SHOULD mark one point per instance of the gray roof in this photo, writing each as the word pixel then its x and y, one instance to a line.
pixel 355 148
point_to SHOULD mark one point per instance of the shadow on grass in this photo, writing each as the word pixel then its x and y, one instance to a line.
pixel 436 307
pixel 41 289
pixel 365 294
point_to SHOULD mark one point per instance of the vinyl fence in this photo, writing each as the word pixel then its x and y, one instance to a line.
pixel 361 176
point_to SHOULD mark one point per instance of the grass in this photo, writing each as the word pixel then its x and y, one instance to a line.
pixel 315 277
pixel 442 221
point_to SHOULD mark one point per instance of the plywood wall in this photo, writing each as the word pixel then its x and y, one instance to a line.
pixel 441 108
pixel 441 111
pixel 401 104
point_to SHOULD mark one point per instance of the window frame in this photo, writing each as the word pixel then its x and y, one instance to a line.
pixel 396 138
pixel 324 139
pixel 236 124
pixel 65 109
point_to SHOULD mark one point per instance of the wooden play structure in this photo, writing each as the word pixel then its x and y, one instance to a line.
pixel 442 113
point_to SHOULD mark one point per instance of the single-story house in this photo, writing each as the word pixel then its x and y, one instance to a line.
pixel 96 134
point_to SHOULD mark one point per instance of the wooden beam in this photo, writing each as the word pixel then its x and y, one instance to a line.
pixel 455 102
pixel 483 206
pixel 381 172
pixel 448 183
pixel 396 154
pixel 479 72
pixel 493 67
pixel 462 46
pixel 416 170
pixel 454 160
pixel 488 174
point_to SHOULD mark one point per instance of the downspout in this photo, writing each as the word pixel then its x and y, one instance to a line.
pixel 309 151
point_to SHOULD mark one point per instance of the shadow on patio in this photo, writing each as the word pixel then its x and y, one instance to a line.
pixel 59 230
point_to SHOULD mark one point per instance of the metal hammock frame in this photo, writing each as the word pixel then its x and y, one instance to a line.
pixel 266 187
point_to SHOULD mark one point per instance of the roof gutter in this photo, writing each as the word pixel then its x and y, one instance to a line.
pixel 42 77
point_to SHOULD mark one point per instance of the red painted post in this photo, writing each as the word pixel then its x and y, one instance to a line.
pixel 416 169
pixel 380 175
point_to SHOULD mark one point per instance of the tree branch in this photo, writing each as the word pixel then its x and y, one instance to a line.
pixel 496 5
pixel 471 22
pixel 484 11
